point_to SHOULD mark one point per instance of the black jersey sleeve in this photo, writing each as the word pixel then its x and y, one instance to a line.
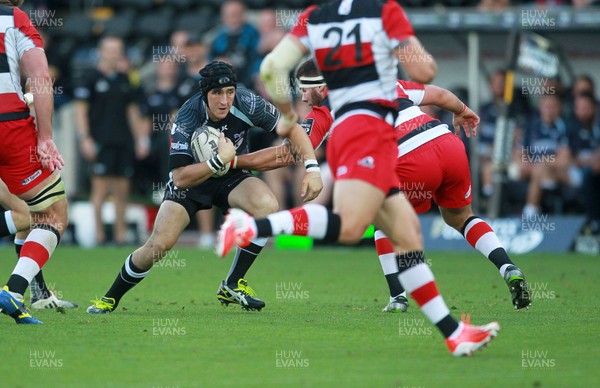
pixel 259 111
pixel 188 119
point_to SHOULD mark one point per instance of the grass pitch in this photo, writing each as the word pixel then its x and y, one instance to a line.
pixel 322 326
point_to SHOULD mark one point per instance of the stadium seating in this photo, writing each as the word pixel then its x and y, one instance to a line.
pixel 199 21
pixel 120 25
pixel 155 25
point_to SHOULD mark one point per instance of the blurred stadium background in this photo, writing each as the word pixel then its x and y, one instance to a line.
pixel 542 135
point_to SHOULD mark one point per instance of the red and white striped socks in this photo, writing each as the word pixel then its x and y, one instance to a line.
pixel 36 251
pixel 481 236
pixel 309 220
pixel 389 263
pixel 416 277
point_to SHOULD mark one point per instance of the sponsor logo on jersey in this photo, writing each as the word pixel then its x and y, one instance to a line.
pixel 180 130
pixel 238 139
pixel 31 178
pixel 367 162
pixel 468 194
pixel 341 170
pixel 224 128
pixel 177 146
pixel 307 124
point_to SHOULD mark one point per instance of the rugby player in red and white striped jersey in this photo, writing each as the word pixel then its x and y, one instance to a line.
pixel 422 141
pixel 355 44
pixel 30 161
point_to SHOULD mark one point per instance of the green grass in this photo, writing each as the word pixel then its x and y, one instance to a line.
pixel 171 331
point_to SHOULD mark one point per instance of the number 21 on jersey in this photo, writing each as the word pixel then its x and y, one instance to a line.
pixel 344 48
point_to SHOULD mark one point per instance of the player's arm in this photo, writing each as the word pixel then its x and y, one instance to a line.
pixel 312 183
pixel 35 68
pixel 266 159
pixel 33 63
pixel 416 60
pixel 445 99
pixel 316 125
pixel 191 175
pixel 275 70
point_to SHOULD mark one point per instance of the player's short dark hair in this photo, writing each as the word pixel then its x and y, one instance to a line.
pixel 307 68
pixel 217 75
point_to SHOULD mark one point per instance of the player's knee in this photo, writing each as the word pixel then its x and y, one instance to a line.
pixel 352 232
pixel 264 205
pixel 456 218
pixel 21 216
pixel 156 250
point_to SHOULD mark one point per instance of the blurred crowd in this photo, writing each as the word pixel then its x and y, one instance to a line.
pixel 556 147
pixel 555 162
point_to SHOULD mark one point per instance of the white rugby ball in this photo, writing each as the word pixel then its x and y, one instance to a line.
pixel 205 145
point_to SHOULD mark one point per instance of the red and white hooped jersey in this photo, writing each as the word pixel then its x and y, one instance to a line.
pixel 352 42
pixel 414 127
pixel 410 124
pixel 17 35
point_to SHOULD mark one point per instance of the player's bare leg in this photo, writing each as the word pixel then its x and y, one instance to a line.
pixel 171 220
pixel 355 219
pixel 48 208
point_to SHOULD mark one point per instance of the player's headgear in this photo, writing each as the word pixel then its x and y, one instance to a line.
pixel 309 76
pixel 216 75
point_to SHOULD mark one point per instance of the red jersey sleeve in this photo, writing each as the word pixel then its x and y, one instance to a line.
pixel 395 22
pixel 414 91
pixel 300 29
pixel 29 36
pixel 317 124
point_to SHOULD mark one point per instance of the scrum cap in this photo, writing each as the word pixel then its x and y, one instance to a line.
pixel 216 75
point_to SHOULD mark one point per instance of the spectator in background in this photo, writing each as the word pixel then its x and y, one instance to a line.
pixel 157 109
pixel 584 84
pixel 488 114
pixel 585 147
pixel 178 40
pixel 270 35
pixel 270 32
pixel 545 153
pixel 236 42
pixel 109 132
pixel 196 57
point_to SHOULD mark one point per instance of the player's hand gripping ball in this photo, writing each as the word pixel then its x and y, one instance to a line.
pixel 205 145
